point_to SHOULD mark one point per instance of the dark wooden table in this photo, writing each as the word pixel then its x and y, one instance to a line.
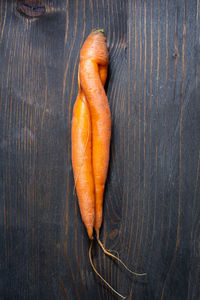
pixel 152 198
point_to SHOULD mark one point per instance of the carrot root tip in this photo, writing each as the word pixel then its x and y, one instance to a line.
pixel 107 252
pixel 97 273
pixel 97 233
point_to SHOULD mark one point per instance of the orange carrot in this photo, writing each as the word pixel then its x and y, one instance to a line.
pixel 91 132
pixel 82 161
pixel 93 72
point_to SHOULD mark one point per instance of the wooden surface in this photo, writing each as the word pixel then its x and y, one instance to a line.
pixel 151 208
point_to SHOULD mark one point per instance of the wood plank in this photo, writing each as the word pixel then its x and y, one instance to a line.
pixel 151 210
pixel 45 248
pixel 164 146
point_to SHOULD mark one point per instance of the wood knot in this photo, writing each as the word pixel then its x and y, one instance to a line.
pixel 175 54
pixel 31 8
pixel 113 234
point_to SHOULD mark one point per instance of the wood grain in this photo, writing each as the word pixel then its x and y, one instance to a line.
pixel 151 209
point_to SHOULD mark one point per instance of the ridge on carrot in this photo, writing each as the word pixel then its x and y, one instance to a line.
pixel 90 135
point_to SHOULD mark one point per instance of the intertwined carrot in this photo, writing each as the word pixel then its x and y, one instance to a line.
pixel 91 132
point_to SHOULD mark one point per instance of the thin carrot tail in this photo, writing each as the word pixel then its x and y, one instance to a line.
pixel 94 269
pixel 107 252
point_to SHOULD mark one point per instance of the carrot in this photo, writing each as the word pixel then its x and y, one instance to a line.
pixel 93 54
pixel 91 133
pixel 82 161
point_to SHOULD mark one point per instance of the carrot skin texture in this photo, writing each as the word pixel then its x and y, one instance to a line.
pixel 93 72
pixel 82 161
